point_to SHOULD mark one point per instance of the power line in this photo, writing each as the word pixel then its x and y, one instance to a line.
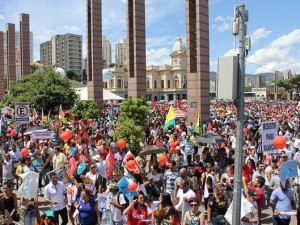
pixel 263 67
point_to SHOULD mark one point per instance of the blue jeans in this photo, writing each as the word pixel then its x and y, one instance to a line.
pixel 29 219
pixel 116 222
pixel 277 221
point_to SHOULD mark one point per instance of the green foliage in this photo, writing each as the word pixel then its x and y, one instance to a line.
pixel 290 85
pixel 85 109
pixel 248 89
pixel 133 116
pixel 42 90
pixel 131 133
pixel 137 110
pixel 72 76
pixel 283 96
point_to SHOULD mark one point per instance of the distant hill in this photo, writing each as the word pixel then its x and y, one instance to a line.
pixel 213 76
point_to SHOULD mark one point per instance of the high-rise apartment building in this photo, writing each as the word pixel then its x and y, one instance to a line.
pixel 17 52
pixel 121 52
pixel 63 51
pixel 106 52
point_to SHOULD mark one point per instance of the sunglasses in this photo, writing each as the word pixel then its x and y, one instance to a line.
pixel 193 205
pixel 92 167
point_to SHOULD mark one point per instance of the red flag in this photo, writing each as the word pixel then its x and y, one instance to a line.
pixel 78 137
pixel 86 136
pixel 110 161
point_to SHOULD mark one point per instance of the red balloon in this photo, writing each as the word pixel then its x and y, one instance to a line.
pixel 66 135
pixel 7 113
pixel 69 134
pixel 162 159
pixel 121 144
pixel 131 164
pixel 73 115
pixel 90 120
pixel 279 142
pixel 24 152
pixel 13 133
pixel 132 187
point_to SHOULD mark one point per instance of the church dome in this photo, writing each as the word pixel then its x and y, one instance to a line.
pixel 178 45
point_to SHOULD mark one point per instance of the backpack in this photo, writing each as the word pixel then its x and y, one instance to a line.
pixel 100 180
pixel 126 199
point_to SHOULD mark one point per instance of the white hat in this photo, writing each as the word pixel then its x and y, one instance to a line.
pixel 96 158
pixel 177 148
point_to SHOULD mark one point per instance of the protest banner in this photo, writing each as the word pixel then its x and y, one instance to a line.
pixel 29 186
pixel 287 170
pixel 268 133
pixel 43 134
pixel 104 207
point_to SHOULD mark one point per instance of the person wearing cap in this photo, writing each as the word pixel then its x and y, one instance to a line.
pixel 251 218
pixel 282 200
pixel 117 204
pixel 73 160
pixel 28 166
pixel 46 219
pixel 101 166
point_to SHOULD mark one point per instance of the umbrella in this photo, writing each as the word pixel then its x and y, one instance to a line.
pixel 152 149
pixel 210 138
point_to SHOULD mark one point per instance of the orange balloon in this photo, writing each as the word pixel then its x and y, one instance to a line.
pixel 132 187
pixel 24 152
pixel 131 164
pixel 69 134
pixel 279 142
pixel 162 159
pixel 73 115
pixel 13 133
pixel 121 144
pixel 65 136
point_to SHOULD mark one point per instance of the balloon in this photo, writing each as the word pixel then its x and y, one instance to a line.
pixel 279 142
pixel 121 144
pixel 131 164
pixel 73 115
pixel 13 133
pixel 7 113
pixel 24 152
pixel 162 159
pixel 90 120
pixel 132 187
pixel 69 134
pixel 66 135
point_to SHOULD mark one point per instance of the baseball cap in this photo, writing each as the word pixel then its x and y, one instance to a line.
pixel 113 185
pixel 96 158
pixel 177 148
pixel 49 213
pixel 253 193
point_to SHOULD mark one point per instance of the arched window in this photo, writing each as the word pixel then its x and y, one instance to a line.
pixel 176 82
pixel 155 84
pixel 148 84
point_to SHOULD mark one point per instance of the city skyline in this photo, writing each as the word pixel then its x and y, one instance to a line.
pixel 275 38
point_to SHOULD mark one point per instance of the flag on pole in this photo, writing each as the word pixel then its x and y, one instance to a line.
pixel 170 120
pixel 61 113
pixel 110 161
pixel 29 186
pixel 198 128
pixel 49 117
pixel 81 167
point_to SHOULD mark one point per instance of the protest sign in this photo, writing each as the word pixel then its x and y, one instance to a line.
pixel 287 170
pixel 29 186
pixel 42 134
pixel 268 133
pixel 104 207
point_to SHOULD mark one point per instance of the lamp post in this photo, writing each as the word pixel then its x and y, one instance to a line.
pixel 240 30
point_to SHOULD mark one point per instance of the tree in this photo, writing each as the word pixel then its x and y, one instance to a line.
pixel 43 90
pixel 72 76
pixel 133 117
pixel 85 109
pixel 248 89
pixel 290 85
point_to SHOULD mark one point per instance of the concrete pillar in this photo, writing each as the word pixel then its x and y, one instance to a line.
pixel 2 86
pixel 11 52
pixel 136 48
pixel 275 87
pixel 94 51
pixel 25 44
pixel 197 35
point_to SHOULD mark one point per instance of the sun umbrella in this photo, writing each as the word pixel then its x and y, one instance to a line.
pixel 152 149
pixel 210 138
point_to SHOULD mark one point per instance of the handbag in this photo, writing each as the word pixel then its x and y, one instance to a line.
pixel 221 219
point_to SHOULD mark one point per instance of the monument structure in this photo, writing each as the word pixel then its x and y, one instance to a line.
pixel 2 85
pixel 24 44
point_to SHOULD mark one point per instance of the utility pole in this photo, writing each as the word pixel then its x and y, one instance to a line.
pixel 240 30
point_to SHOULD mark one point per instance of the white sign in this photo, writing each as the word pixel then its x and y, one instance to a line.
pixel 22 112
pixel 29 187
pixel 268 133
pixel 43 134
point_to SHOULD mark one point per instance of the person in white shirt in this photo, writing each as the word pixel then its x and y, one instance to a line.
pixel 297 144
pixel 252 217
pixel 184 195
pixel 56 196
pixel 28 166
pixel 117 204
pixel 7 169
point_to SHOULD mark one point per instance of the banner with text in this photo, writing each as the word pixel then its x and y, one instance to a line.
pixel 43 134
pixel 268 133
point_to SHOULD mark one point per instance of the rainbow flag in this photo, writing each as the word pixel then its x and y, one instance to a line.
pixel 198 128
pixel 170 120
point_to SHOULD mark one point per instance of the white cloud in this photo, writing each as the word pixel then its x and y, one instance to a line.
pixel 289 39
pixel 158 56
pixel 159 41
pixel 259 34
pixel 222 23
pixel 232 52
pixel 68 28
pixel 1 17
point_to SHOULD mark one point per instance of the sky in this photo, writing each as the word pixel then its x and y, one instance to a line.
pixel 273 27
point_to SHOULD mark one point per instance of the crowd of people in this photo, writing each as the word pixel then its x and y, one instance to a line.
pixel 193 184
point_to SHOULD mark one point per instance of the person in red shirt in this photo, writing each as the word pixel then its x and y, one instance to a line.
pixel 257 185
pixel 73 161
pixel 247 171
pixel 174 143
pixel 137 211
